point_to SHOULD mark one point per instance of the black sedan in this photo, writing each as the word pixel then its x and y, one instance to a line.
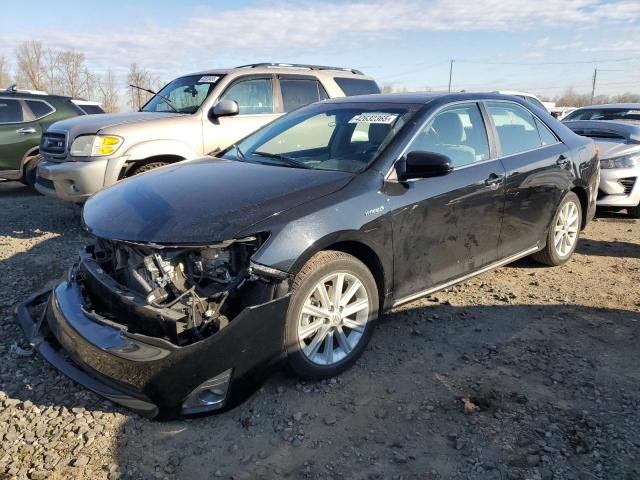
pixel 292 243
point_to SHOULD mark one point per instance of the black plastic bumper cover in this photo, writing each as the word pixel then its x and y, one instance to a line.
pixel 148 375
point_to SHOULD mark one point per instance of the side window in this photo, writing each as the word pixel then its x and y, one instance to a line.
pixel 297 92
pixel 517 130
pixel 457 132
pixel 39 109
pixel 10 111
pixel 355 86
pixel 546 135
pixel 254 96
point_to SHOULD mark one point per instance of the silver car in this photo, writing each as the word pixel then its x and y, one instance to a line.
pixel 192 116
pixel 616 130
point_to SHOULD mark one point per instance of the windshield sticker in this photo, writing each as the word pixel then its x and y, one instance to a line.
pixel 384 118
pixel 209 79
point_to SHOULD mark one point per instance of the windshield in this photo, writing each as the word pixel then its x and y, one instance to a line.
pixel 604 114
pixel 338 137
pixel 185 94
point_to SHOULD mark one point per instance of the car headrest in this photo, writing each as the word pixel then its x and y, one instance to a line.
pixel 449 128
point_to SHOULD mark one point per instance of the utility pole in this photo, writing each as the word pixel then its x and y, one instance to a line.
pixel 450 73
pixel 593 86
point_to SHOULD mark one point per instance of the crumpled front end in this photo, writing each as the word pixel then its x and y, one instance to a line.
pixel 162 329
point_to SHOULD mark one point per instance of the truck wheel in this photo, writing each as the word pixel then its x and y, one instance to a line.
pixel 331 315
pixel 562 237
pixel 634 212
pixel 145 167
pixel 30 169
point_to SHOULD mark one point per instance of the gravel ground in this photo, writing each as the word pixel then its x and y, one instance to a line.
pixel 522 373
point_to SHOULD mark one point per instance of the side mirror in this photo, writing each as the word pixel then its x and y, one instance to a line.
pixel 421 164
pixel 224 108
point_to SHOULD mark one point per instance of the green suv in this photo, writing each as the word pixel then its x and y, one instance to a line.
pixel 24 116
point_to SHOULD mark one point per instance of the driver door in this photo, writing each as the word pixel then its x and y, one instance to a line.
pixel 446 227
pixel 255 97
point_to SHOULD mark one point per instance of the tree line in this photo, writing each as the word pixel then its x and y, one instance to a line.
pixel 65 72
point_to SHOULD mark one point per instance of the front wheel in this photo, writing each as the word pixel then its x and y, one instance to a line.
pixel 562 237
pixel 331 314
pixel 30 169
pixel 146 167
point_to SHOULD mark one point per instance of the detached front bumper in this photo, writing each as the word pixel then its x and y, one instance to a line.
pixel 76 181
pixel 619 187
pixel 146 374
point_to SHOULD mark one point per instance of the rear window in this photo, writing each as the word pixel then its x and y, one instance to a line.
pixel 297 92
pixel 604 114
pixel 38 108
pixel 356 86
pixel 91 109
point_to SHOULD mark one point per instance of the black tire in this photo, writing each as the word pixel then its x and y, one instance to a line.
pixel 549 255
pixel 634 212
pixel 318 267
pixel 145 167
pixel 30 169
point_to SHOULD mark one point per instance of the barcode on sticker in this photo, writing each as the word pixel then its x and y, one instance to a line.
pixel 209 79
pixel 385 118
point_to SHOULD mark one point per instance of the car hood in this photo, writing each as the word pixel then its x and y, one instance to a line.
pixel 88 124
pixel 202 201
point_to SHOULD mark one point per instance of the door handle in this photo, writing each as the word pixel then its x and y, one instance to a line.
pixel 26 130
pixel 562 161
pixel 494 180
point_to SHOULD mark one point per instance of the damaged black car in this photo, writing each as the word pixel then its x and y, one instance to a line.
pixel 290 244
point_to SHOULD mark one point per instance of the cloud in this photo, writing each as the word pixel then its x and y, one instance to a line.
pixel 305 28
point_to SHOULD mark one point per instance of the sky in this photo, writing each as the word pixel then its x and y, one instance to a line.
pixel 543 46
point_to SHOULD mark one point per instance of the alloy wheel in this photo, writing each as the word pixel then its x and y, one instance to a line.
pixel 333 318
pixel 566 229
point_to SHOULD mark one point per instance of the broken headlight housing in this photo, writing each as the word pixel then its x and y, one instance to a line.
pixel 189 292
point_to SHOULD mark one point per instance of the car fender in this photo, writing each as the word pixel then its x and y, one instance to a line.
pixel 153 148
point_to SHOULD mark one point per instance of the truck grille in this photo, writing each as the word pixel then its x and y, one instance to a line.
pixel 53 143
pixel 628 184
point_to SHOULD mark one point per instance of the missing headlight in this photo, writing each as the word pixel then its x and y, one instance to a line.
pixel 190 292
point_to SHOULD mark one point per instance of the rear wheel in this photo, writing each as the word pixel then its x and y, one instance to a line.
pixel 30 169
pixel 145 167
pixel 331 314
pixel 562 237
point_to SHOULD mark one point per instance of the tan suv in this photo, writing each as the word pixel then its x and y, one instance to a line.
pixel 190 117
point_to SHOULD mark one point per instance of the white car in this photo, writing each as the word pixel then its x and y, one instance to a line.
pixel 529 97
pixel 616 130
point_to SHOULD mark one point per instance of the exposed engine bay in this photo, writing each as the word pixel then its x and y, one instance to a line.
pixel 190 293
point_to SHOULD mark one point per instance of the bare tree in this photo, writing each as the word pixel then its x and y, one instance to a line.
pixel 5 76
pixel 37 66
pixel 142 78
pixel 30 59
pixel 74 78
pixel 108 92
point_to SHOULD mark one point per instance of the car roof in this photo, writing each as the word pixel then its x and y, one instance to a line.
pixel 515 92
pixel 285 68
pixel 606 106
pixel 422 97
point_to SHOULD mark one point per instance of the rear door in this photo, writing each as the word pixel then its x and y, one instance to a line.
pixel 446 227
pixel 19 132
pixel 537 164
